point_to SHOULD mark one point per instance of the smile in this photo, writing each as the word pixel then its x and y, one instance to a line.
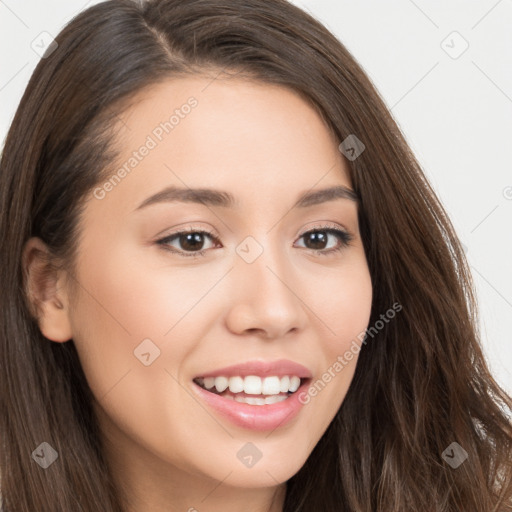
pixel 252 389
pixel 256 395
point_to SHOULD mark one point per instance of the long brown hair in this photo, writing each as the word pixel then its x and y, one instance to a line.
pixel 421 383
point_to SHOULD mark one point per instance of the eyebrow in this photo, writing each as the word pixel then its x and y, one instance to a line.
pixel 213 197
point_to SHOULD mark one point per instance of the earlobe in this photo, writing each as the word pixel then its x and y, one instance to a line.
pixel 45 288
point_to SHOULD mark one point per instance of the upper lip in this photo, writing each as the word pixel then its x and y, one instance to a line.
pixel 279 368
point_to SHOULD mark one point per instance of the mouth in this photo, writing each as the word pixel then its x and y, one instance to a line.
pixel 257 395
pixel 252 389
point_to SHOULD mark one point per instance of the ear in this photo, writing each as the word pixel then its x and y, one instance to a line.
pixel 46 291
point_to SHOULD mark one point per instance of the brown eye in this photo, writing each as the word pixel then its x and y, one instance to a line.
pixel 318 239
pixel 190 242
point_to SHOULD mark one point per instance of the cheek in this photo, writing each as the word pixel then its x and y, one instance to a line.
pixel 129 310
pixel 342 301
pixel 138 298
pixel 134 303
pixel 343 304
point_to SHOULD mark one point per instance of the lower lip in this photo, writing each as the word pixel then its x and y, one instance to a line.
pixel 255 417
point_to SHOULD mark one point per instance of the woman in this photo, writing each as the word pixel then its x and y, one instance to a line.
pixel 227 283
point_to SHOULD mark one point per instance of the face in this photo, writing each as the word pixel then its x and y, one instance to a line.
pixel 244 287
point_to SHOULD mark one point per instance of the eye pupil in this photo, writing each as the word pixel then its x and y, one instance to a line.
pixel 191 241
pixel 317 237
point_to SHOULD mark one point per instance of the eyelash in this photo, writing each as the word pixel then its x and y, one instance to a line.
pixel 344 237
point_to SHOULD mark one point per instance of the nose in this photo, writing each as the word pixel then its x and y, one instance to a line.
pixel 265 298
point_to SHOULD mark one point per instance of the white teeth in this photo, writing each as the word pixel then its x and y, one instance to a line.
pixel 275 399
pixel 221 384
pixel 252 400
pixel 271 386
pixel 285 384
pixel 294 384
pixel 209 382
pixel 252 384
pixel 236 384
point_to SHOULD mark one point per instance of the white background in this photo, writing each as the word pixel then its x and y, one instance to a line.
pixel 456 113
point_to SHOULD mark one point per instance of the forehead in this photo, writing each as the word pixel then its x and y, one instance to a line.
pixel 246 136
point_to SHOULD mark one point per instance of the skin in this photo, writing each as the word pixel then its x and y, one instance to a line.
pixel 167 450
